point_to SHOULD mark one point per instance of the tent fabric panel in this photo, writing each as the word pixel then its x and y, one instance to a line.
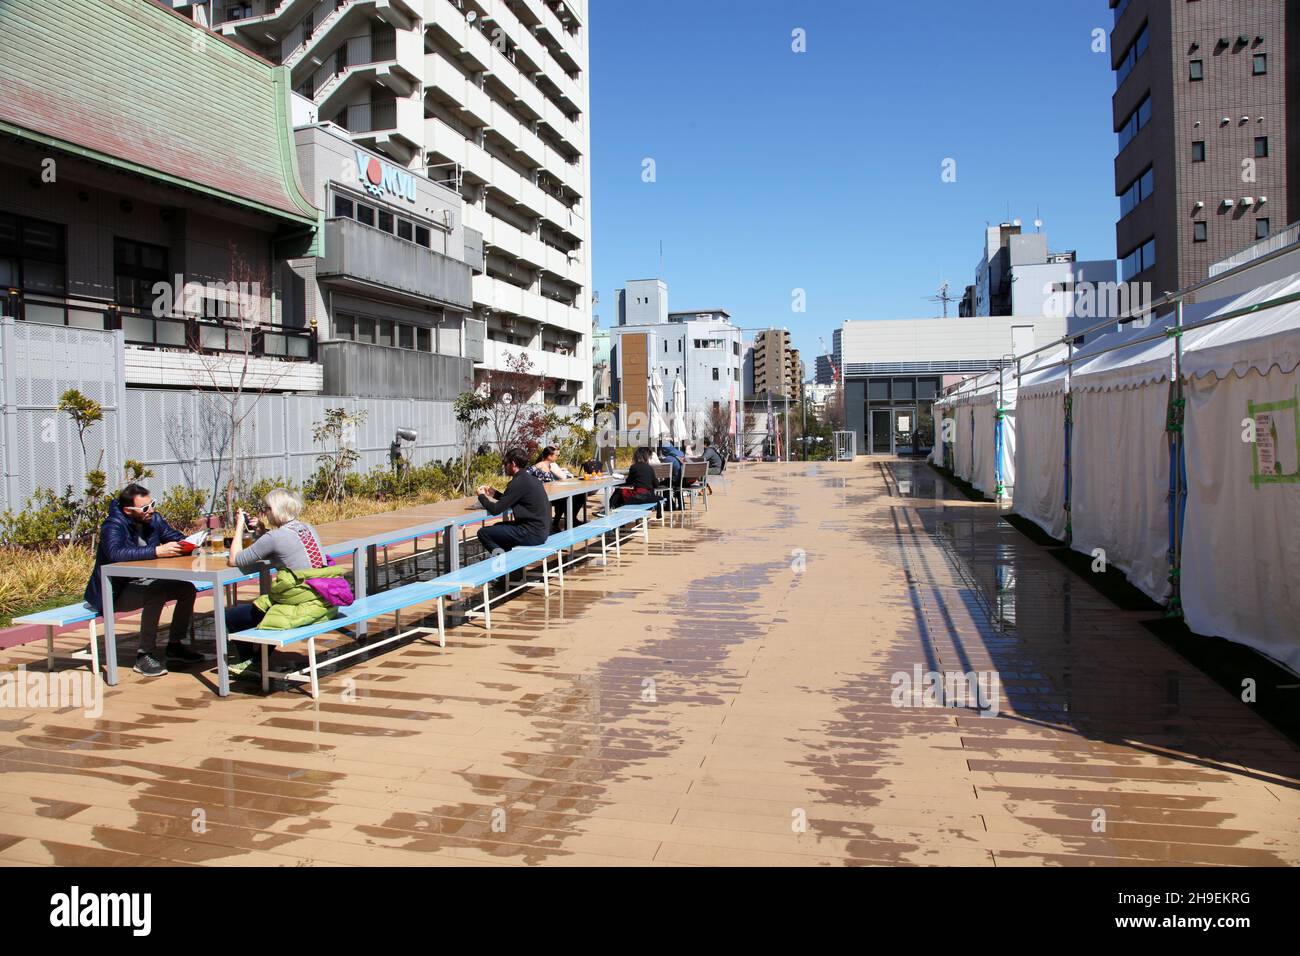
pixel 1241 548
pixel 1120 482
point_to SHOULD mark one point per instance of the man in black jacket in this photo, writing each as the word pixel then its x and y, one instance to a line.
pixel 526 496
pixel 134 531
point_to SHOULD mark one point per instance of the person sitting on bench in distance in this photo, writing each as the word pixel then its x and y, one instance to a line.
pixel 548 468
pixel 639 486
pixel 135 531
pixel 526 496
pixel 288 544
pixel 714 460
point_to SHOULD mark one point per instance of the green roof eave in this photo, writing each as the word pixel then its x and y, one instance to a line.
pixel 306 218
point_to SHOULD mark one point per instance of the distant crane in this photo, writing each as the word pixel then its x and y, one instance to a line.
pixel 835 371
pixel 943 297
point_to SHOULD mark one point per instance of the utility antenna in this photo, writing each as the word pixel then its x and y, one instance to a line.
pixel 1038 221
pixel 942 297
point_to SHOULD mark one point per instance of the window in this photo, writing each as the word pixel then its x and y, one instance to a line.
pixel 365 214
pixel 385 221
pixel 343 326
pixel 1196 70
pixel 715 375
pixel 422 236
pixel 1261 146
pixel 136 267
pixel 1198 151
pixel 1139 190
pixel 737 374
pixel 1135 121
pixel 386 333
pixel 1139 260
pixel 878 390
pixel 35 253
pixel 1261 228
pixel 366 331
pixel 1259 64
pixel 1198 231
pixel 343 206
pixel 405 230
pixel 1135 52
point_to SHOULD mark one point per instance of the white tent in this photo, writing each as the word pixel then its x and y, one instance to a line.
pixel 1119 458
pixel 1039 493
pixel 984 402
pixel 1241 550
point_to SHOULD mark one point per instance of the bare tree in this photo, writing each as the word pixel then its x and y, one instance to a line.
pixel 227 349
pixel 183 443
pixel 507 394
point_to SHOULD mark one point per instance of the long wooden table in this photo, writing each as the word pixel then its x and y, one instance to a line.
pixel 358 537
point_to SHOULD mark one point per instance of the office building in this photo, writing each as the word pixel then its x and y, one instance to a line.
pixel 1205 111
pixel 488 96
pixel 894 369
pixel 1018 275
pixel 700 348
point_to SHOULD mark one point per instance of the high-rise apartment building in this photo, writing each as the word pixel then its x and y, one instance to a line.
pixel 777 370
pixel 489 97
pixel 1205 110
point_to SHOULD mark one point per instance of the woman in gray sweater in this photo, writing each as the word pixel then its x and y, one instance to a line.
pixel 289 543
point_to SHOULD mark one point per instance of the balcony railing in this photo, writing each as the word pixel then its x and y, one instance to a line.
pixel 1279 240
pixel 177 333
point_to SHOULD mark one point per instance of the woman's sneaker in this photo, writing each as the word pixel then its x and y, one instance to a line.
pixel 149 666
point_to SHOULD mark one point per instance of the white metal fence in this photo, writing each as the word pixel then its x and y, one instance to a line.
pixel 179 434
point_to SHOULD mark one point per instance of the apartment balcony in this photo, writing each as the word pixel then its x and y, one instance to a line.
pixel 266 27
pixel 501 296
pixel 390 126
pixel 474 104
pixel 568 368
pixel 361 257
pixel 331 21
pixel 455 30
pixel 363 61
pixel 363 370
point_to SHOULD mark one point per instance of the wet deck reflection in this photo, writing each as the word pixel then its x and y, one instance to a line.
pixel 727 693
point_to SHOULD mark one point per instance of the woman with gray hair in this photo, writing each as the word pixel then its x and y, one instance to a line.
pixel 307 587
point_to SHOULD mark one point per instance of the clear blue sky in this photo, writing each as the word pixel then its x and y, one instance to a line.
pixel 820 170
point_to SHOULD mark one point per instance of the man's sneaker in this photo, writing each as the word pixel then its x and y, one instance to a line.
pixel 149 666
pixel 180 654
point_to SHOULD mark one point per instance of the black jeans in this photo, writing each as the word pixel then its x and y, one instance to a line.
pixel 506 535
pixel 243 617
pixel 150 599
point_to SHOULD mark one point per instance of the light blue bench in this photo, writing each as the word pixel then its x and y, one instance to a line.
pixel 363 609
pixel 481 574
pixel 56 618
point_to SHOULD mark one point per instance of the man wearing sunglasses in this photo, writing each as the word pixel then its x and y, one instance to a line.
pixel 134 531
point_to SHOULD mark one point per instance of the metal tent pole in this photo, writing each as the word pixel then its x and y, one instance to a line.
pixel 1176 419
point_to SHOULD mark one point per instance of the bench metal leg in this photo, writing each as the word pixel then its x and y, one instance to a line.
pixel 559 563
pixel 94 649
pixel 487 607
pixel 49 647
pixel 442 625
pixel 546 578
pixel 266 666
pixel 311 664
pixel 645 528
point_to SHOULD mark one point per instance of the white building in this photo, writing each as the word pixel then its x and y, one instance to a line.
pixel 700 347
pixel 489 96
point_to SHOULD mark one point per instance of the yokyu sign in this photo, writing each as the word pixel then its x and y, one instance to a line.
pixel 380 178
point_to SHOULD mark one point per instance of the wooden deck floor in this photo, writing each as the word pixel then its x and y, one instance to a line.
pixel 722 695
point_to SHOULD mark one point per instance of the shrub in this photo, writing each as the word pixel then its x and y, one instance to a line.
pixel 184 507
pixel 45 519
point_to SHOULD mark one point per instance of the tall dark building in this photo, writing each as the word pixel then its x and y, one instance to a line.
pixel 1206 116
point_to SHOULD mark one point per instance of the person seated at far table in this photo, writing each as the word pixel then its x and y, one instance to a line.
pixel 548 468
pixel 135 531
pixel 639 486
pixel 714 460
pixel 307 586
pixel 526 496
